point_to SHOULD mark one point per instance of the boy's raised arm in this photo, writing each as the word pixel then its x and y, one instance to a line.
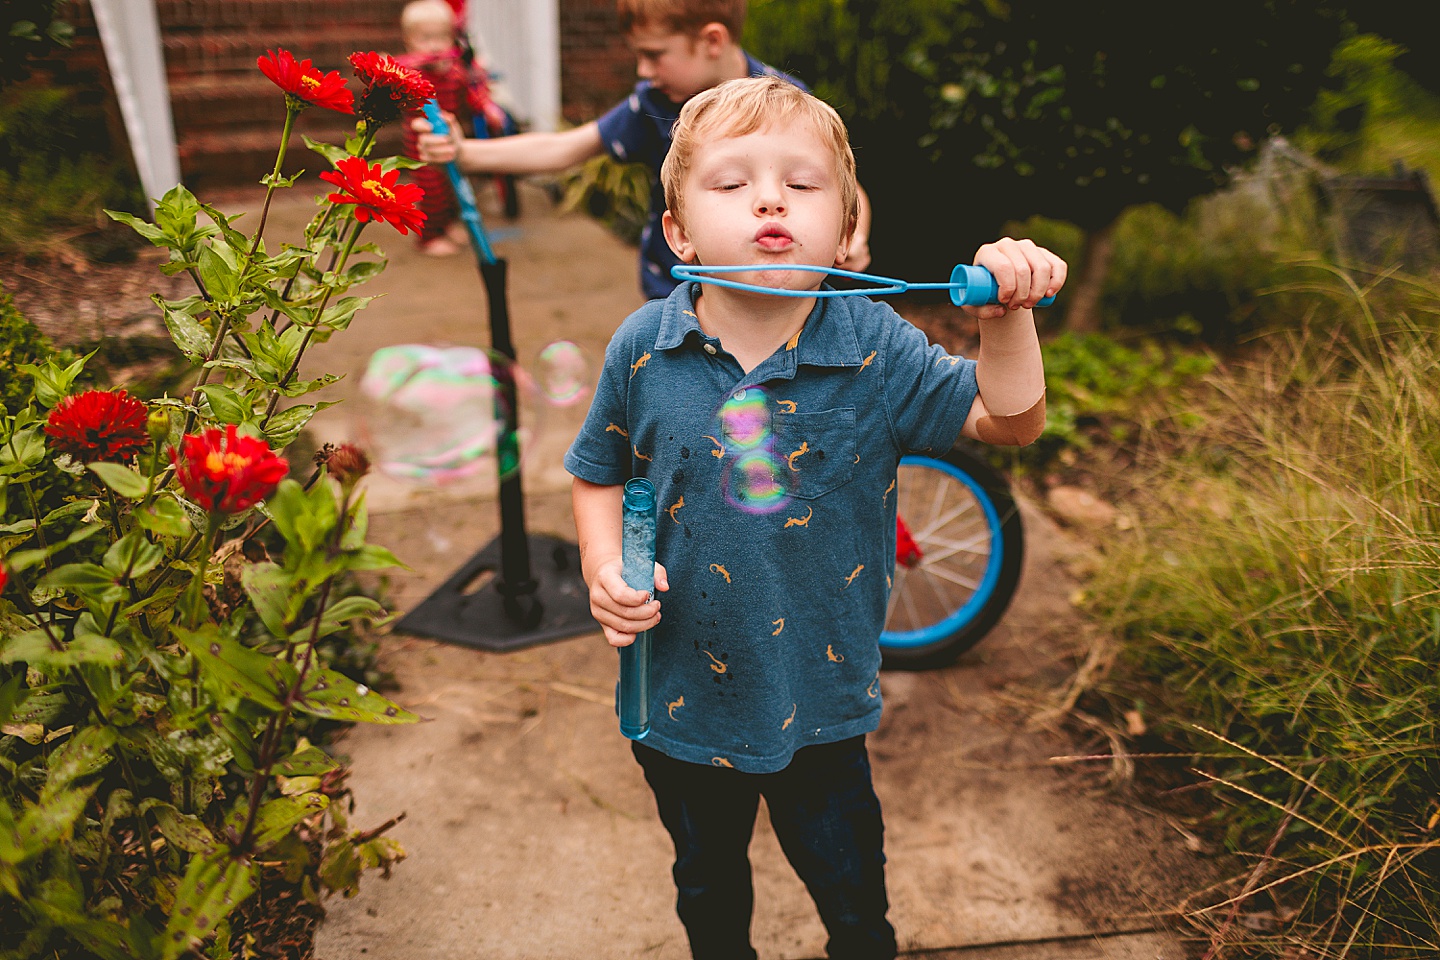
pixel 1009 408
pixel 535 152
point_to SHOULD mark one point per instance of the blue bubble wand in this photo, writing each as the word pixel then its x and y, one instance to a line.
pixel 464 193
pixel 969 285
pixel 637 567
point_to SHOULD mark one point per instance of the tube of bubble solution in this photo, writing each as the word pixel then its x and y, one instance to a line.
pixel 637 560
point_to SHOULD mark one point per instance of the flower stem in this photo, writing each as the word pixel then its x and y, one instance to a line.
pixel 310 332
pixel 291 111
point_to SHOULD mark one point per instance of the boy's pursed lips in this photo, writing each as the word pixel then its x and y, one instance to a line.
pixel 772 235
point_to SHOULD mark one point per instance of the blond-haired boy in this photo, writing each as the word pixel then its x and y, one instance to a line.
pixel 772 428
pixel 682 47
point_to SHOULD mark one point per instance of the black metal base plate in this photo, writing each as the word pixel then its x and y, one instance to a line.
pixel 470 610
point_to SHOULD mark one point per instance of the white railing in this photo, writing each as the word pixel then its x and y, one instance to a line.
pixel 520 41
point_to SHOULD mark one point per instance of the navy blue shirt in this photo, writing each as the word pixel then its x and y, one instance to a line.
pixel 637 130
pixel 776 514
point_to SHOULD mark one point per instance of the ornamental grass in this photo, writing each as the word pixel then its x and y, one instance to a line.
pixel 1282 582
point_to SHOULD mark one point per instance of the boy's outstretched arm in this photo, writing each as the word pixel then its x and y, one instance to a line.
pixel 535 152
pixel 1009 408
pixel 621 611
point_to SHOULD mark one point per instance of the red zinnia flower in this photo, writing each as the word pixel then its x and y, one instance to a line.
pixel 4 576
pixel 98 425
pixel 226 472
pixel 306 83
pixel 377 195
pixel 391 89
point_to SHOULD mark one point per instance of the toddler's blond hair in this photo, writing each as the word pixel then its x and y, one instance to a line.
pixel 737 107
pixel 425 13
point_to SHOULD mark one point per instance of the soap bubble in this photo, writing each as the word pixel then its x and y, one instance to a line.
pixel 438 414
pixel 755 478
pixel 563 373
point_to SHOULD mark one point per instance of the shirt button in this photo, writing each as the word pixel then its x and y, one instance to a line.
pixel 710 349
pixel 740 394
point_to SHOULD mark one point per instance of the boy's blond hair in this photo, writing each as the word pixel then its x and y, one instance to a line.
pixel 682 16
pixel 737 107
pixel 424 13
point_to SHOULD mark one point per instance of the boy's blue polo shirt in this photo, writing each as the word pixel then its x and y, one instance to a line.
pixel 768 638
pixel 638 130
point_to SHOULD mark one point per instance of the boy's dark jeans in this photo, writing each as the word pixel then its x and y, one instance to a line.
pixel 827 818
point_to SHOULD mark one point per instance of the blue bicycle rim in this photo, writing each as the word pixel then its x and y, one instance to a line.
pixel 955 621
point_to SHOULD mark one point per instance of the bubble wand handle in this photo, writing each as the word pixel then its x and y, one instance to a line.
pixel 464 194
pixel 969 285
pixel 637 567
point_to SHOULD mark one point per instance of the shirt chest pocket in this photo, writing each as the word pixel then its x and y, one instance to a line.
pixel 815 451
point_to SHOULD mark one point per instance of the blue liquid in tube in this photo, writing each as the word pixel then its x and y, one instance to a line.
pixel 637 559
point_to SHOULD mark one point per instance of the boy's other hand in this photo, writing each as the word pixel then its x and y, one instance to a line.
pixel 621 611
pixel 1024 275
pixel 434 147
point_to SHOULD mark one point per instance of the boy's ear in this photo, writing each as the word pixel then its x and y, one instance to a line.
pixel 677 238
pixel 714 37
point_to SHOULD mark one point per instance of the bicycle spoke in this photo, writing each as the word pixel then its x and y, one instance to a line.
pixel 955 578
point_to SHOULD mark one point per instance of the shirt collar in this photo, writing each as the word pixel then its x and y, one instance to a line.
pixel 828 339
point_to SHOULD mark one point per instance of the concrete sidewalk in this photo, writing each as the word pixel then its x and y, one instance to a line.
pixel 530 830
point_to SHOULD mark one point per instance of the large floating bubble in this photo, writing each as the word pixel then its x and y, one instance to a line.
pixel 563 374
pixel 438 414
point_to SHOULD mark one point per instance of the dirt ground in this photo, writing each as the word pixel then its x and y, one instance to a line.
pixel 530 830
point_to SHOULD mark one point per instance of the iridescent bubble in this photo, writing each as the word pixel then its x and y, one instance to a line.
pixel 745 419
pixel 756 482
pixel 438 414
pixel 563 373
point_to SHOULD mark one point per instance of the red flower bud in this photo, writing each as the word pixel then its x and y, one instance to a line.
pixel 225 472
pixel 4 577
pixel 98 425
pixel 348 463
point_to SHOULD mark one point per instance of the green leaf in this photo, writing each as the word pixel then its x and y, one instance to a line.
pixel 149 231
pixel 340 315
pixel 270 590
pixel 187 832
pixel 247 673
pixel 165 517
pixel 329 151
pixel 286 425
pixel 278 817
pixel 52 381
pixel 33 647
pixel 133 556
pixel 372 557
pixel 346 609
pixel 214 885
pixel 52 819
pixel 363 270
pixel 84 754
pixel 87 579
pixel 221 278
pixel 192 338
pixel 122 479
pixel 22 560
pixel 308 761
pixel 227 405
pixel 330 694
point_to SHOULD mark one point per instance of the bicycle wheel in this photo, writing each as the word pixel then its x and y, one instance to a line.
pixel 959 548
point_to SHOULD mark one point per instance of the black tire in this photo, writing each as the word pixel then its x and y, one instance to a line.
pixel 961 512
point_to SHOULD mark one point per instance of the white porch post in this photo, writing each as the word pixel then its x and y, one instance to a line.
pixel 130 36
pixel 520 40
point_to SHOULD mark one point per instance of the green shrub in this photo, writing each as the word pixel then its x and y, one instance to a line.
pixel 20 343
pixel 617 194
pixel 1278 602
pixel 58 171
